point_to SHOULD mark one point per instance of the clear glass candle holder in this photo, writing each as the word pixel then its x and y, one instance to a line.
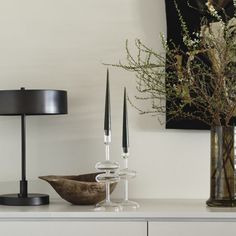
pixel 109 175
pixel 126 174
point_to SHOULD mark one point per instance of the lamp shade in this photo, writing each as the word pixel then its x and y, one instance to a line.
pixel 33 102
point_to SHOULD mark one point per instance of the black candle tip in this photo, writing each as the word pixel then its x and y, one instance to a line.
pixel 125 130
pixel 107 117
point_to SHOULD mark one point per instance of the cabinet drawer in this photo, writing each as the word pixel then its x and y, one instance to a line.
pixel 192 228
pixel 72 228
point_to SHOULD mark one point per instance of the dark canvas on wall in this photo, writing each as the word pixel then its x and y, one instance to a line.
pixel 192 18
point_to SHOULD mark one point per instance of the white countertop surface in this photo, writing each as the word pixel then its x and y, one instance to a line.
pixel 150 210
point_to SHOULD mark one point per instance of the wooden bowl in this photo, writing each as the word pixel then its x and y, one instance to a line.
pixel 78 189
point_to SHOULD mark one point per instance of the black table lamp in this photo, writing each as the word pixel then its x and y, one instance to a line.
pixel 22 103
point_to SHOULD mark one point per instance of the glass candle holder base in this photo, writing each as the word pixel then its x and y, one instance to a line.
pixel 108 178
pixel 127 174
pixel 108 206
pixel 127 204
pixel 107 165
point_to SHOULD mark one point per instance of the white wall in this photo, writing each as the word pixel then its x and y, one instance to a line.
pixel 62 44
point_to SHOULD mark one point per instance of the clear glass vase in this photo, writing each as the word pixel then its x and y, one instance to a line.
pixel 222 193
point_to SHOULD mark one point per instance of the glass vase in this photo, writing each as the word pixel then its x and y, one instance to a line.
pixel 222 183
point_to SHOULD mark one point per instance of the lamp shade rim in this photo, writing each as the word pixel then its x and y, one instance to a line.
pixel 33 102
pixel 26 90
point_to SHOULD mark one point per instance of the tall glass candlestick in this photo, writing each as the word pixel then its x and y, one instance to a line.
pixel 126 174
pixel 108 167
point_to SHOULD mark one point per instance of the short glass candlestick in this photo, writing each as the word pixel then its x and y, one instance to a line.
pixel 126 174
pixel 109 176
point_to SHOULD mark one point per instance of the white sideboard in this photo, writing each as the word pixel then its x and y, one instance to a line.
pixel 192 228
pixel 153 218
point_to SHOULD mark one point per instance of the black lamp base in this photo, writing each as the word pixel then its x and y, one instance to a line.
pixel 32 199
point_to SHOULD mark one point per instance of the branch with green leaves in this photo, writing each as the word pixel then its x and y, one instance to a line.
pixel 199 83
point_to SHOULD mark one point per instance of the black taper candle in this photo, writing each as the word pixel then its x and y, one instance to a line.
pixel 125 134
pixel 107 117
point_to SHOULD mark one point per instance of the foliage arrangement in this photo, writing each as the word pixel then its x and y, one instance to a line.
pixel 203 75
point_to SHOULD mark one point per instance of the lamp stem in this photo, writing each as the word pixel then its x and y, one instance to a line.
pixel 23 182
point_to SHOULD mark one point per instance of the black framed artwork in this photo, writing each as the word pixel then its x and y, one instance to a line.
pixel 192 16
